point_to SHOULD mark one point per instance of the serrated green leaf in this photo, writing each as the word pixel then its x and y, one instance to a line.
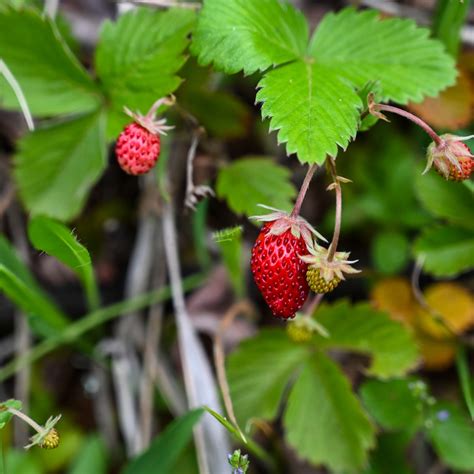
pixel 324 421
pixel 446 199
pixel 249 36
pixel 452 435
pixel 446 250
pixel 164 451
pixel 255 389
pixel 394 404
pixel 57 165
pixel 390 252
pixel 363 329
pixel 51 78
pixel 255 180
pixel 397 53
pixel 313 109
pixel 56 239
pixel 20 286
pixel 138 58
pixel 6 416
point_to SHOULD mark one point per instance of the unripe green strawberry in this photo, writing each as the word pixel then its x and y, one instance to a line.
pixel 317 282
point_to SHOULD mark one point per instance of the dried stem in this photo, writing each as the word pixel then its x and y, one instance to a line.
pixel 417 120
pixel 303 190
pixel 10 78
pixel 337 224
pixel 219 357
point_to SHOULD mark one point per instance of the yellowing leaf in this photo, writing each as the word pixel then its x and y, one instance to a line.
pixel 394 295
pixel 452 109
pixel 436 354
pixel 454 305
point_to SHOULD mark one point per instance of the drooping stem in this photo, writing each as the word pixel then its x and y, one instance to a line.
pixel 417 120
pixel 303 190
pixel 169 101
pixel 338 218
pixel 26 419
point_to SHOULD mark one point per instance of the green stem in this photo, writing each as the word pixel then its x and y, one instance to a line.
pixel 92 320
pixel 462 366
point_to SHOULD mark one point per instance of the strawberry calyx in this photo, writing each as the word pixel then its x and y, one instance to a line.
pixel 283 221
pixel 148 121
pixel 329 269
pixel 448 157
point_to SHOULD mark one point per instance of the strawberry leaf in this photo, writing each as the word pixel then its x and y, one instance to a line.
pixel 52 79
pixel 255 180
pixel 324 421
pixel 57 165
pixel 240 35
pixel 138 58
pixel 255 389
pixel 362 329
pixel 446 250
pixel 312 108
pixel 361 47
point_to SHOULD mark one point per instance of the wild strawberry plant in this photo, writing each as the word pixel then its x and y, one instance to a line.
pixel 318 90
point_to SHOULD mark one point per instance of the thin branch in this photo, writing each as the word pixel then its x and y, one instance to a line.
pixel 10 78
pixel 303 190
pixel 164 3
pixel 337 223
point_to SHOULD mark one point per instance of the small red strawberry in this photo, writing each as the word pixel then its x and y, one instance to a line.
pixel 451 158
pixel 277 269
pixel 138 146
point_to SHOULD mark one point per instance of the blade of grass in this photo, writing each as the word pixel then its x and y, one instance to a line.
pixel 90 321
pixel 462 366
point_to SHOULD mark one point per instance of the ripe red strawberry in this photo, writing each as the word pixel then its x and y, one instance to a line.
pixel 277 268
pixel 279 272
pixel 137 149
pixel 451 158
pixel 138 146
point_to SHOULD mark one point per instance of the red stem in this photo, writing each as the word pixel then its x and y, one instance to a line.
pixel 303 190
pixel 395 110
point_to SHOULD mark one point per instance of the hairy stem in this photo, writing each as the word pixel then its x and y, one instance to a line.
pixel 417 120
pixel 337 224
pixel 303 190
pixel 313 305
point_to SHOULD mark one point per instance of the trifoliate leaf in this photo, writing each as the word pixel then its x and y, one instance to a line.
pixel 446 250
pixel 242 35
pixel 362 329
pixel 138 58
pixel 255 180
pixel 51 78
pixel 57 165
pixel 258 372
pixel 452 434
pixel 324 421
pixel 313 109
pixel 446 199
pixel 394 404
pixel 395 52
